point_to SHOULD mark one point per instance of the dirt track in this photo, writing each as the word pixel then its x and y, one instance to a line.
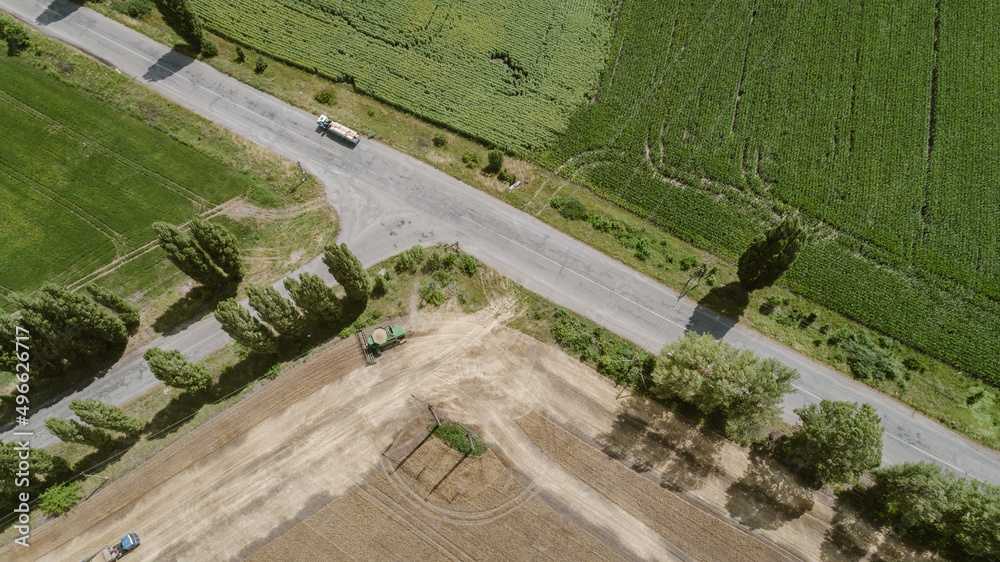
pixel 334 454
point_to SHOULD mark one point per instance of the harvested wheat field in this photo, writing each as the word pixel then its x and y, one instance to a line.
pixel 333 461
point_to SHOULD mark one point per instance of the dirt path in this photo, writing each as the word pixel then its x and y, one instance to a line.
pixel 330 444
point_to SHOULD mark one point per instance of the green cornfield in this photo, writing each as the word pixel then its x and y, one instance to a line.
pixel 875 120
pixel 508 74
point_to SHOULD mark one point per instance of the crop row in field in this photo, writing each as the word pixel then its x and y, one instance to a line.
pixel 867 118
pixel 508 75
pixel 82 183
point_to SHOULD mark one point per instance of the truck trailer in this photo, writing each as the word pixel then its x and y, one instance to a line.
pixel 341 131
pixel 128 543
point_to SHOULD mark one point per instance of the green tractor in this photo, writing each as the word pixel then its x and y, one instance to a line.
pixel 379 340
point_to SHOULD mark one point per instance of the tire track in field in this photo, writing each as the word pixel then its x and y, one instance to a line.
pixel 87 140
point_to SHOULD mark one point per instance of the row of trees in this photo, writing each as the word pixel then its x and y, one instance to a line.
pixel 210 255
pixel 836 442
pixel 67 329
pixel 96 417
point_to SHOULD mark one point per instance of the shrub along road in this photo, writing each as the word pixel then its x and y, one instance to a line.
pixel 388 201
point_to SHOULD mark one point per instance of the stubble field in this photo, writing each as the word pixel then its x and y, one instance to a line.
pixel 332 461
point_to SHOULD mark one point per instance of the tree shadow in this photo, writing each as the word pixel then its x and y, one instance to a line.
pixel 730 300
pixel 105 451
pixel 196 304
pixel 767 496
pixel 167 65
pixel 650 438
pixel 57 11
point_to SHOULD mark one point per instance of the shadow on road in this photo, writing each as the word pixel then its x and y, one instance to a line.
pixel 57 11
pixel 767 496
pixel 730 300
pixel 166 66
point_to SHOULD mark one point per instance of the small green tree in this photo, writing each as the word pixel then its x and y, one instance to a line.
pixel 191 259
pixel 771 255
pixel 179 16
pixel 105 416
pixel 260 65
pixel 175 371
pixel 220 245
pixel 276 310
pixel 494 160
pixel 72 431
pixel 346 268
pixel 16 35
pixel 244 328
pixel 126 311
pixel 718 379
pixel 836 442
pixel 59 499
pixel 314 297
pixel 440 140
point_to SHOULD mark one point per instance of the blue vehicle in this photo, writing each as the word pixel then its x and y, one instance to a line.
pixel 128 543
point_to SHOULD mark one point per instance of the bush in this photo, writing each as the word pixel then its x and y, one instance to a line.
pixel 470 159
pixel 410 259
pixel 868 360
pixel 139 9
pixel 642 251
pixel 380 284
pixel 260 66
pixel 494 161
pixel 687 262
pixel 440 140
pixel 208 48
pixel 468 265
pixel 432 294
pixel 454 435
pixel 450 260
pixel 59 499
pixel 506 177
pixel 240 55
pixel 326 96
pixel 915 364
pixel 435 261
pixel 573 209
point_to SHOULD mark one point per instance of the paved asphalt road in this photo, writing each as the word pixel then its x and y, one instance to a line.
pixel 388 201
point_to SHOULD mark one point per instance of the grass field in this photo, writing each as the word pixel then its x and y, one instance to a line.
pixel 714 118
pixel 82 182
pixel 508 76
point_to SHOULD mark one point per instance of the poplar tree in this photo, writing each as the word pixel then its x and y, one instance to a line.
pixel 346 268
pixel 771 255
pixel 275 310
pixel 221 247
pixel 126 311
pixel 314 297
pixel 175 371
pixel 244 328
pixel 177 14
pixel 72 431
pixel 105 416
pixel 182 250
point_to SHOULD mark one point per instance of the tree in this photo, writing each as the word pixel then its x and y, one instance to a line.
pixel 836 442
pixel 126 311
pixel 105 416
pixel 221 247
pixel 182 250
pixel 175 371
pixel 312 295
pixel 276 310
pixel 244 328
pixel 346 268
pixel 771 255
pixel 952 515
pixel 177 14
pixel 494 159
pixel 718 379
pixel 59 499
pixel 8 333
pixel 44 467
pixel 72 431
pixel 16 35
pixel 68 326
